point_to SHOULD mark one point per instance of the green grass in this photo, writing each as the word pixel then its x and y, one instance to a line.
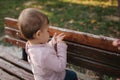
pixel 96 17
pixel 9 9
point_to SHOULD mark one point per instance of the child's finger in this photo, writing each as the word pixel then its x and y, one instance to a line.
pixel 55 34
pixel 119 42
pixel 116 42
pixel 118 48
pixel 60 38
pixel 60 35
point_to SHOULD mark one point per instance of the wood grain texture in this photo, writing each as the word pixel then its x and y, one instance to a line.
pixel 5 76
pixel 93 65
pixel 14 70
pixel 16 61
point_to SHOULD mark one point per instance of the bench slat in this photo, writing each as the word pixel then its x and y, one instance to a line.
pixel 94 54
pixel 75 36
pixel 15 41
pixel 16 61
pixel 86 39
pixel 14 70
pixel 96 66
pixel 10 22
pixel 5 76
pixel 12 32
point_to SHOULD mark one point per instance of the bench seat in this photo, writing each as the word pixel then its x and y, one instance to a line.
pixel 13 68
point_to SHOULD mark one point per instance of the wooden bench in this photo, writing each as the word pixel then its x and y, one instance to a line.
pixel 13 68
pixel 86 50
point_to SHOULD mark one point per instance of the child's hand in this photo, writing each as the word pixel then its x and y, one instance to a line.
pixel 58 38
pixel 117 43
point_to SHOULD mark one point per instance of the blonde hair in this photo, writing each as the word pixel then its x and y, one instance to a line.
pixel 30 21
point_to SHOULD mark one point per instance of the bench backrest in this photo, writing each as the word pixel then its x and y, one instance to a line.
pixel 84 49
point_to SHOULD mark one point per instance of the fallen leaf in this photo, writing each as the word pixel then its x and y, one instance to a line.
pixel 92 21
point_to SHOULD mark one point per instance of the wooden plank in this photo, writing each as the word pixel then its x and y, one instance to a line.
pixel 16 71
pixel 86 39
pixel 16 61
pixel 12 32
pixel 106 57
pixel 5 76
pixel 15 41
pixel 10 22
pixel 75 36
pixel 95 66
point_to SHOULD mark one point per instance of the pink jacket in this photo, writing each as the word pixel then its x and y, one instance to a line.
pixel 46 62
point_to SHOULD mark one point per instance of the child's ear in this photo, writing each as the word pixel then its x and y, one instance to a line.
pixel 37 34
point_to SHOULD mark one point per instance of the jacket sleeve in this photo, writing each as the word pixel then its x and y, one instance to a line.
pixel 52 42
pixel 57 62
